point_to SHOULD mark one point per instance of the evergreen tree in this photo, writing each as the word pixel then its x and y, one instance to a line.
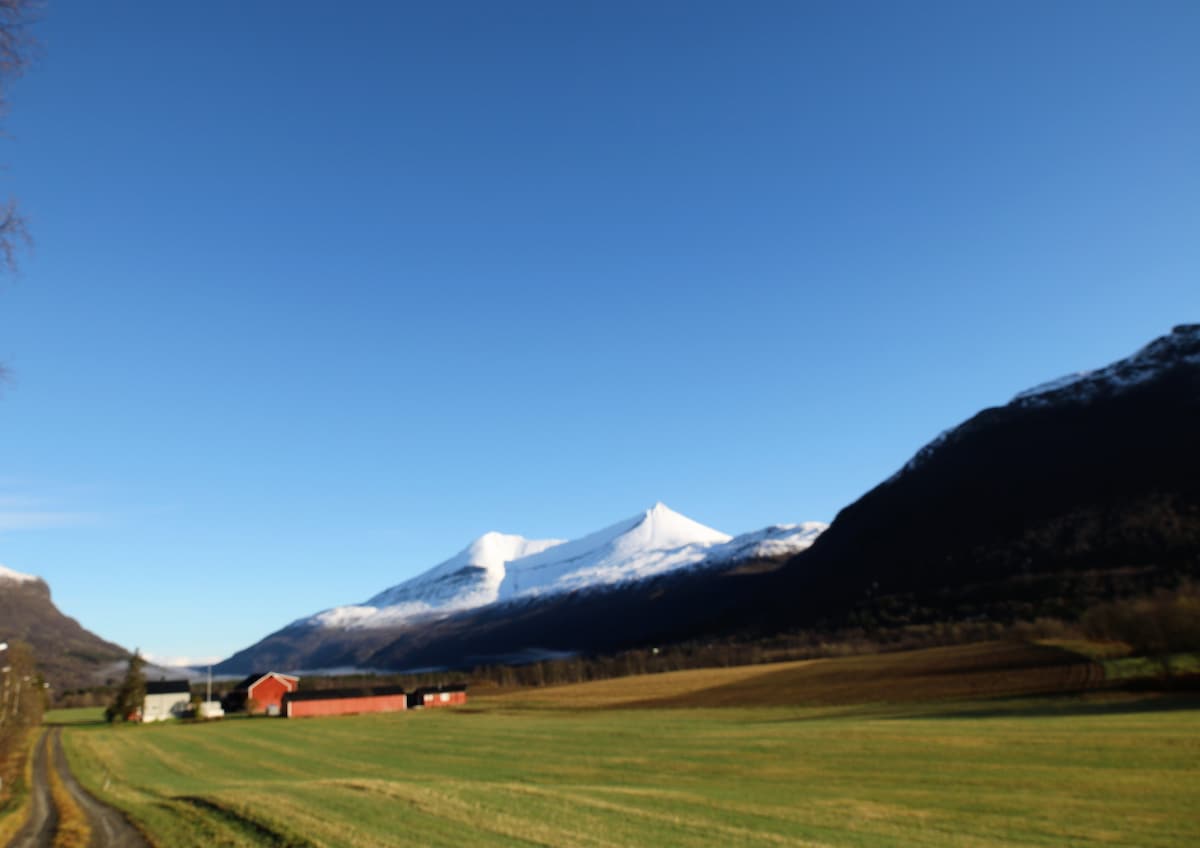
pixel 131 694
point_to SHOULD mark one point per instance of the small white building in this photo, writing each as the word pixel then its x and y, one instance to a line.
pixel 166 699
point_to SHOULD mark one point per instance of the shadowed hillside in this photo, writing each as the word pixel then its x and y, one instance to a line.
pixel 1034 508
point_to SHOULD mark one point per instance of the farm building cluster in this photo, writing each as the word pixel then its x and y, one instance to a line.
pixel 272 693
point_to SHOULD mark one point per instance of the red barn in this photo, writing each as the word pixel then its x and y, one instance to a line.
pixel 438 696
pixel 261 692
pixel 329 702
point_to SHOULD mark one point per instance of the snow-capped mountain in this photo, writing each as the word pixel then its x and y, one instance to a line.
pixel 498 567
pixel 501 580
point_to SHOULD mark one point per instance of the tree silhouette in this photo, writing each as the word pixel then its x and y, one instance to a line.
pixel 131 694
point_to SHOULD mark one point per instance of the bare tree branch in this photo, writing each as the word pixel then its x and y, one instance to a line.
pixel 17 46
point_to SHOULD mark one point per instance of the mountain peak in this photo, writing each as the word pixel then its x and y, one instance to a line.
pixel 661 512
pixel 665 528
pixel 656 540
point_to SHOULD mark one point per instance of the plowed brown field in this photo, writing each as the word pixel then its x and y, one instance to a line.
pixel 984 670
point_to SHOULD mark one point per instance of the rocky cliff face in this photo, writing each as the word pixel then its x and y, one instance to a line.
pixel 67 655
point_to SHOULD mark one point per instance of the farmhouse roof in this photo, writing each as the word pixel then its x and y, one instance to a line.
pixel 167 687
pixel 338 694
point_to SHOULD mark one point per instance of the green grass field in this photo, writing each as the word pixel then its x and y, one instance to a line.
pixel 74 715
pixel 566 770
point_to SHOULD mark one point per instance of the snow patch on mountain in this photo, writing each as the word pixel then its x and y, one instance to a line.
pixel 775 541
pixel 16 576
pixel 1180 347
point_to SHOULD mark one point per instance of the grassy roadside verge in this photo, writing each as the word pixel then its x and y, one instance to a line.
pixel 18 779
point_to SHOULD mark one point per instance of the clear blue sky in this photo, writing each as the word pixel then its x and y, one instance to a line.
pixel 322 292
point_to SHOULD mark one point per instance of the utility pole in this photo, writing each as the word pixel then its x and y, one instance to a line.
pixel 4 698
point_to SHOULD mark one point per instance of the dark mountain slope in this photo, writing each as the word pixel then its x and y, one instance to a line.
pixel 67 655
pixel 1036 507
pixel 660 610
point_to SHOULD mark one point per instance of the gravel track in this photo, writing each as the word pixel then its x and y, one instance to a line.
pixel 110 829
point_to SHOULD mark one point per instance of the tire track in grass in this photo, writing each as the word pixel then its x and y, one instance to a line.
pixel 441 805
pixel 237 819
pixel 705 828
pixel 285 816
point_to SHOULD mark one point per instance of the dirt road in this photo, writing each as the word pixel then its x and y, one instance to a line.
pixel 109 828
pixel 43 817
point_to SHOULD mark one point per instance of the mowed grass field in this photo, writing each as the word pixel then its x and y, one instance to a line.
pixel 679 760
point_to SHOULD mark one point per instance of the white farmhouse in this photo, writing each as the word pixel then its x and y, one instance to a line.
pixel 166 699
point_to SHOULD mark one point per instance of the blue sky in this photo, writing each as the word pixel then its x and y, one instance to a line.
pixel 317 297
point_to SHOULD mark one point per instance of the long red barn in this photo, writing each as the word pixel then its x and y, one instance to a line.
pixel 330 702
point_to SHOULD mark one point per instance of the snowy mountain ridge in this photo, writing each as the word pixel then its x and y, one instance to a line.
pixel 499 567
pixel 469 578
pixel 1179 348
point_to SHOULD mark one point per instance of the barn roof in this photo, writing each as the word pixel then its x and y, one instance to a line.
pixel 167 687
pixel 259 675
pixel 338 694
pixel 449 687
